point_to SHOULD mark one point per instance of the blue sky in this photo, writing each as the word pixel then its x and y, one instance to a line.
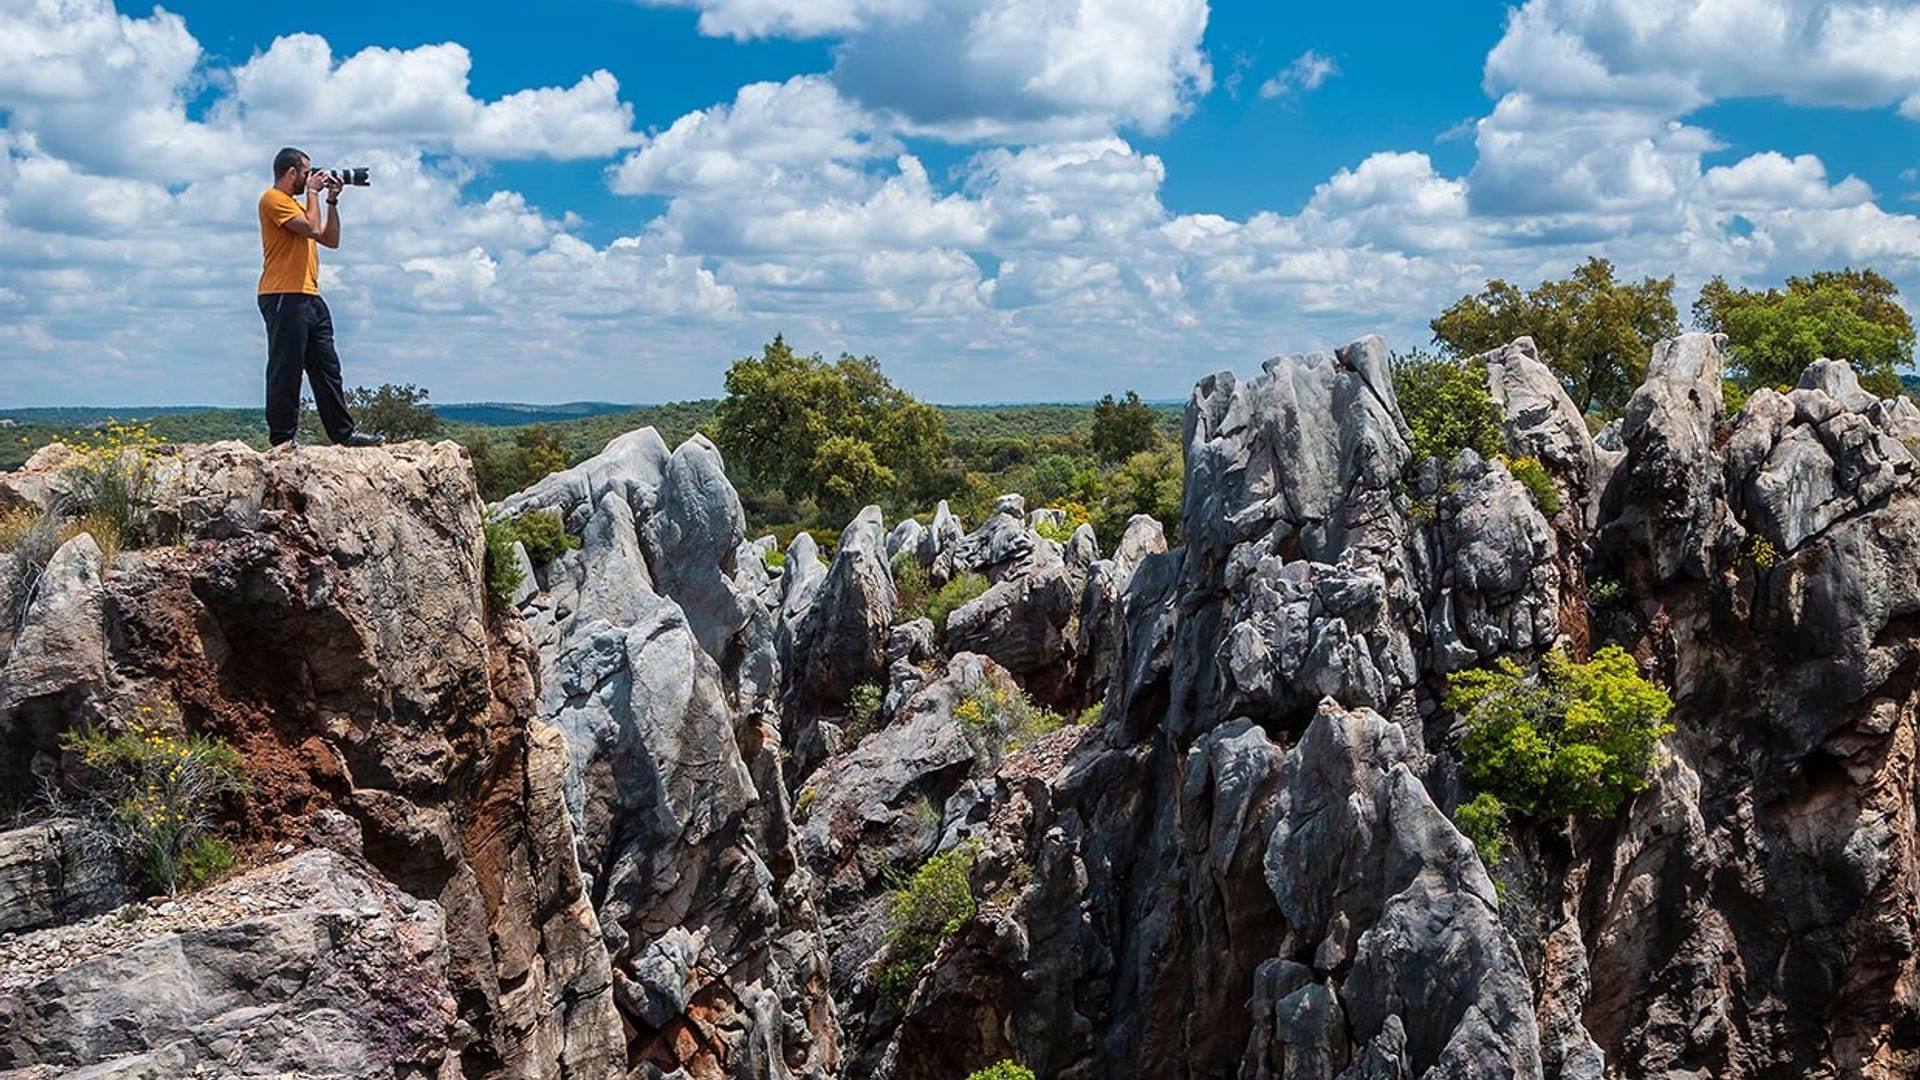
pixel 1001 199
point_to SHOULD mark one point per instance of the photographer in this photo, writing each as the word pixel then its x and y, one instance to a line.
pixel 299 326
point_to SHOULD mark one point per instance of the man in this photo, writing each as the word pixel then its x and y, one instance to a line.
pixel 299 326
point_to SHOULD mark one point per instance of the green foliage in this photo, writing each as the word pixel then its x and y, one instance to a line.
pixel 396 413
pixel 536 452
pixel 911 587
pixel 1576 739
pixel 1539 483
pixel 111 483
pixel 958 590
pixel 1446 407
pixel 1606 593
pixel 998 718
pixel 1761 552
pixel 1005 1070
pixel 1091 715
pixel 1596 334
pixel 774 559
pixel 1733 395
pixel 1483 821
pixel 1148 483
pixel 153 791
pixel 1122 429
pixel 922 914
pixel 1075 514
pixel 863 710
pixel 839 434
pixel 541 532
pixel 502 570
pixel 1850 315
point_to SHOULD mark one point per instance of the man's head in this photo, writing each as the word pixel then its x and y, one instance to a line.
pixel 290 160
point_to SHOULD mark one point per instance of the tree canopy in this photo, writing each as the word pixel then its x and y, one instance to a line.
pixel 1849 315
pixel 839 434
pixel 1122 429
pixel 396 413
pixel 1596 334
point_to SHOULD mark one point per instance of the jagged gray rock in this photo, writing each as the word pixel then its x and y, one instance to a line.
pixel 56 872
pixel 631 466
pixel 312 965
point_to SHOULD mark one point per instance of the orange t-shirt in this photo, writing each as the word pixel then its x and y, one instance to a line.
pixel 292 261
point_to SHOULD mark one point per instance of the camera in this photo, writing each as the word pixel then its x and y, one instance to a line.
pixel 345 177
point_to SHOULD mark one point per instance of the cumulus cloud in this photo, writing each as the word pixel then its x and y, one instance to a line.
pixel 1305 73
pixel 793 18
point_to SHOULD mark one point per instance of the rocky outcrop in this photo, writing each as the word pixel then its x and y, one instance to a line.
pixel 314 965
pixel 574 816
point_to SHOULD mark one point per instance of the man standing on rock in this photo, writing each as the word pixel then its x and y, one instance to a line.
pixel 299 326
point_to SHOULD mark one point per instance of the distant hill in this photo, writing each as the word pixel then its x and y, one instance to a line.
pixel 489 413
pixel 513 414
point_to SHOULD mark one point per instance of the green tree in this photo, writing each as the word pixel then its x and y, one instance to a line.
pixel 1596 334
pixel 1772 336
pixel 1148 483
pixel 537 450
pixel 1122 429
pixel 394 412
pixel 839 434
pixel 1446 406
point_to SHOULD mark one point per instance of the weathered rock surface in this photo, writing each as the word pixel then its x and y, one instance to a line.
pixel 55 872
pixel 312 966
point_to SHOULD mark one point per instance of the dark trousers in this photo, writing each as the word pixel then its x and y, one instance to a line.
pixel 300 339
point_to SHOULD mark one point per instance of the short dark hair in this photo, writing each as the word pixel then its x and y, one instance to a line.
pixel 287 158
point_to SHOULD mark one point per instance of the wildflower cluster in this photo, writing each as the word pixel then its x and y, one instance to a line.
pixel 1539 483
pixel 110 481
pixel 1075 514
pixel 998 718
pixel 153 792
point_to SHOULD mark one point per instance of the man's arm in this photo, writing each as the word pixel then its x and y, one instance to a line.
pixel 308 223
pixel 330 233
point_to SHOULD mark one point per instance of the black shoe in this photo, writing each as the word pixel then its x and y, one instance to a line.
pixel 361 438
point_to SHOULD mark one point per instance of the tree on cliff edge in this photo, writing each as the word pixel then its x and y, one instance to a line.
pixel 1595 333
pixel 1772 336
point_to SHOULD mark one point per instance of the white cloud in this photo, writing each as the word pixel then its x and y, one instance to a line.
pixel 793 18
pixel 1305 73
pixel 421 95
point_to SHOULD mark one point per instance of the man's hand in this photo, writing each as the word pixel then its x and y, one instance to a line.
pixel 316 182
pixel 335 186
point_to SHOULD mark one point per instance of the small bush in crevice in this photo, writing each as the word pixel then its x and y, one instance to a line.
pixel 921 914
pixel 958 592
pixel 1761 553
pixel 542 533
pixel 111 485
pixel 863 712
pixel 1575 738
pixel 1483 820
pixel 502 571
pixel 151 792
pixel 1539 483
pixel 1004 1070
pixel 910 587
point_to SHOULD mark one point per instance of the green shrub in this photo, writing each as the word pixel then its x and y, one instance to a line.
pixel 1605 594
pixel 542 533
pixel 1539 483
pixel 1483 821
pixel 922 914
pixel 1446 407
pixel 1076 516
pixel 1761 552
pixel 1005 1070
pixel 910 587
pixel 112 483
pixel 1574 739
pixel 863 710
pixel 955 593
pixel 998 718
pixel 153 792
pixel 503 574
pixel 774 559
pixel 1090 716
